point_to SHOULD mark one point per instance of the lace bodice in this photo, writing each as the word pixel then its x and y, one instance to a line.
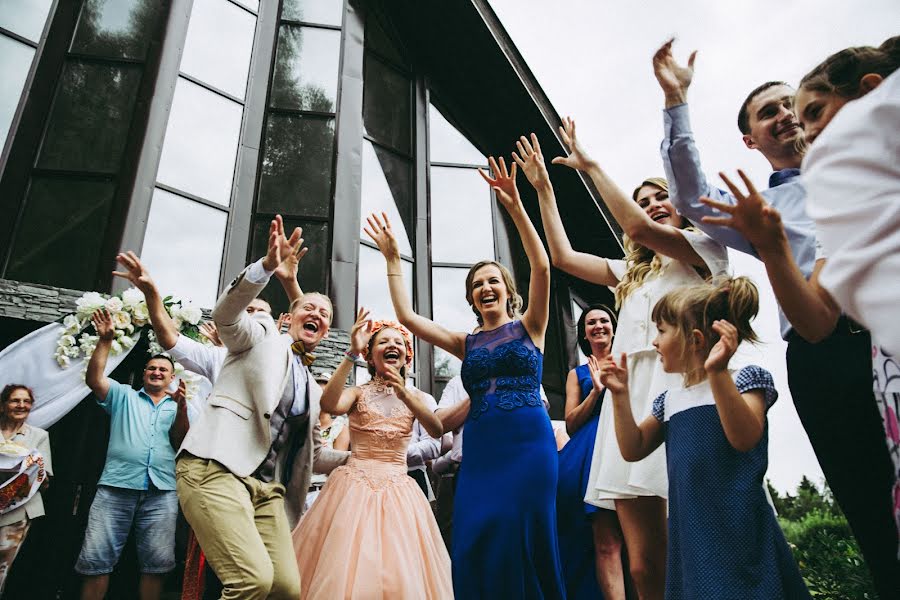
pixel 380 425
pixel 502 367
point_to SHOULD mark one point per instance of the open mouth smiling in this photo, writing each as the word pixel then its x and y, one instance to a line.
pixel 392 355
pixel 311 326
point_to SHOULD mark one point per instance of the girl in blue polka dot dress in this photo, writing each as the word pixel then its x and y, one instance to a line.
pixel 724 540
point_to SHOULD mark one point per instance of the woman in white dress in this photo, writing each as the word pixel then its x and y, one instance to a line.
pixel 662 254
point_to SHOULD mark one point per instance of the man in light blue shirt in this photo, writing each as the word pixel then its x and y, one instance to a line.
pixel 137 487
pixel 835 405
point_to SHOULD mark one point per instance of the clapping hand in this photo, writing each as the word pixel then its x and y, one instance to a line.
pixel 614 376
pixel 751 215
pixel 281 247
pixel 135 272
pixel 577 158
pixel 594 368
pixel 361 332
pixel 673 78
pixel 379 229
pixel 724 349
pixel 531 161
pixel 103 323
pixel 504 184
pixel 180 395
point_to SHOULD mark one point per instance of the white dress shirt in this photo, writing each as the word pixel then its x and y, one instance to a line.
pixel 852 176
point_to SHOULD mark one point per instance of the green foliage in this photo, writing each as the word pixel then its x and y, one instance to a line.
pixel 823 545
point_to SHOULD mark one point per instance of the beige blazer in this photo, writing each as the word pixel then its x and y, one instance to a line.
pixel 234 429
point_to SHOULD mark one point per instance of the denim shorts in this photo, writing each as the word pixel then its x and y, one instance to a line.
pixel 114 511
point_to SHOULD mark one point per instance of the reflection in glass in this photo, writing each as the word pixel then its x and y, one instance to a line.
pixel 446 144
pixel 218 45
pixel 60 237
pixel 311 273
pixel 25 17
pixel 461 229
pixel 201 143
pixel 306 68
pixel 296 171
pixel 450 309
pixel 91 116
pixel 373 292
pixel 183 247
pixel 387 106
pixel 116 28
pixel 15 61
pixel 326 12
pixel 384 190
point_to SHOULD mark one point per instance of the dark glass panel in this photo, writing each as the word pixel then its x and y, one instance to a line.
pixel 297 163
pixel 313 268
pixel 387 188
pixel 61 234
pixel 89 123
pixel 387 105
pixel 327 12
pixel 25 17
pixel 117 28
pixel 306 68
pixel 378 40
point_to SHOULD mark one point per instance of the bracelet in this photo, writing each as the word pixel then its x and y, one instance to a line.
pixel 351 357
pixel 394 274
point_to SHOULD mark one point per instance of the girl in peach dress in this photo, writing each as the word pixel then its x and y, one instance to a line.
pixel 371 533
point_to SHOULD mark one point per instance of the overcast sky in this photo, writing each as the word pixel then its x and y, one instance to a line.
pixel 593 60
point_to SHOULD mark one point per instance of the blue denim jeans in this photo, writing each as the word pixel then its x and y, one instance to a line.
pixel 114 511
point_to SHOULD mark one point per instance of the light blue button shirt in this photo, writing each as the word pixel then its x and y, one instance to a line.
pixel 687 184
pixel 139 451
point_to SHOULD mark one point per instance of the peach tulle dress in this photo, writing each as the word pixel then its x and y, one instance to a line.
pixel 371 532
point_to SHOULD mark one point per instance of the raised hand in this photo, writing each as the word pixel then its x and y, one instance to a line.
pixel 393 378
pixel 673 78
pixel 594 368
pixel 614 376
pixel 504 183
pixel 379 229
pixel 281 247
pixel 135 272
pixel 209 330
pixel 360 332
pixel 287 270
pixel 283 322
pixel 103 323
pixel 724 349
pixel 751 215
pixel 531 161
pixel 180 394
pixel 577 158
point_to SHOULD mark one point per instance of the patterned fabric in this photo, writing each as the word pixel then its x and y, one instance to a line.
pixel 753 377
pixel 886 384
pixel 12 537
pixel 299 348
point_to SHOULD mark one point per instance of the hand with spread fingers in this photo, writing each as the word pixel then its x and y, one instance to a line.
pixel 673 78
pixel 594 369
pixel 751 215
pixel 361 332
pixel 379 229
pixel 103 323
pixel 287 270
pixel 531 161
pixel 613 376
pixel 209 330
pixel 577 158
pixel 135 272
pixel 503 183
pixel 280 246
pixel 724 349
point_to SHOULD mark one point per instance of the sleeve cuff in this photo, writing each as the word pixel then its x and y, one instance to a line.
pixel 676 121
pixel 256 273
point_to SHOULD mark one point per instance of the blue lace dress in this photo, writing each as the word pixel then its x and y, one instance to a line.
pixel 504 516
pixel 576 539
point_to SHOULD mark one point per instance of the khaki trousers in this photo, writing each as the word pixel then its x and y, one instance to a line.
pixel 242 528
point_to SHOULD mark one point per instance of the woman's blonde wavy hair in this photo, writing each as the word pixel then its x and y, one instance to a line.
pixel 514 301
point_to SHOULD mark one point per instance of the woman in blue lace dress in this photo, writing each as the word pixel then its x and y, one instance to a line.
pixel 590 539
pixel 504 520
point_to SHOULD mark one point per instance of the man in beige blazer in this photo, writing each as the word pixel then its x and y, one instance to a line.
pixel 243 471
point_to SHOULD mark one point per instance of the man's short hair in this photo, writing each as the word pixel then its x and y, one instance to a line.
pixel 743 115
pixel 161 357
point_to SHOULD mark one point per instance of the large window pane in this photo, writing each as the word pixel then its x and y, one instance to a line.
pixel 116 28
pixel 25 17
pixel 461 229
pixel 218 45
pixel 312 271
pixel 386 187
pixel 91 117
pixel 327 12
pixel 201 143
pixel 61 234
pixel 446 144
pixel 183 247
pixel 387 106
pixel 251 4
pixel 373 284
pixel 306 68
pixel 378 40
pixel 15 61
pixel 297 163
pixel 451 310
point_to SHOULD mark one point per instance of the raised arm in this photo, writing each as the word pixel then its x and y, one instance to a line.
pixel 286 273
pixel 415 402
pixel 181 424
pixel 635 222
pixel 336 399
pixel 137 274
pixel 811 310
pixel 504 184
pixel 681 160
pixel 635 441
pixel 578 411
pixel 95 377
pixel 379 229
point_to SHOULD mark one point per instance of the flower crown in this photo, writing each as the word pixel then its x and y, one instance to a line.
pixel 378 325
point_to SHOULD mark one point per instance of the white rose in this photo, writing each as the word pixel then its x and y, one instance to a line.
pixel 62 360
pixel 87 304
pixel 67 340
pixel 126 342
pixel 73 351
pixel 121 320
pixel 71 324
pixel 140 315
pixel 114 305
pixel 132 297
pixel 116 347
pixel 155 349
pixel 190 313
